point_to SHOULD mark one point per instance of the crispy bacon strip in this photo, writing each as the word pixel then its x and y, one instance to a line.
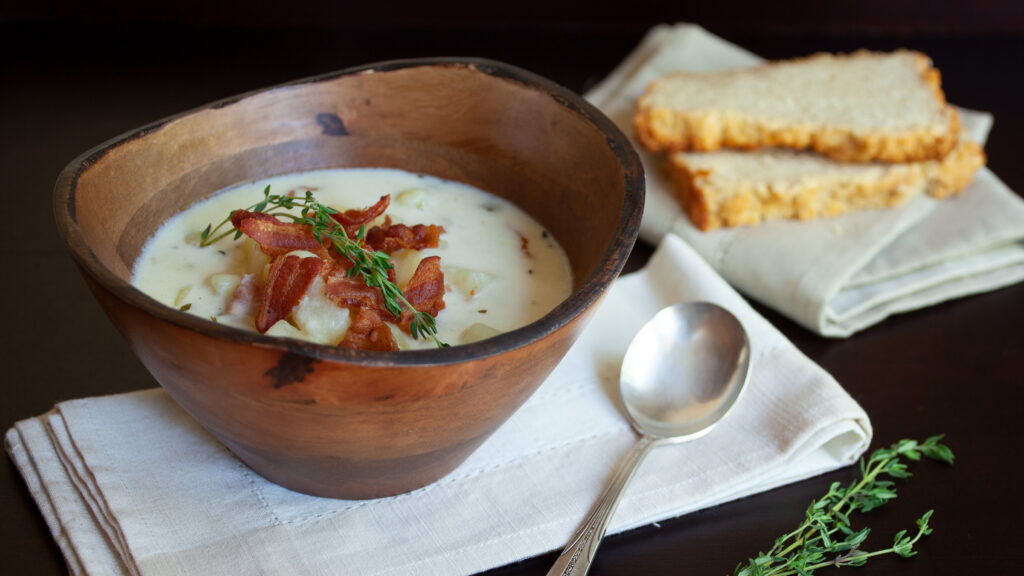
pixel 368 332
pixel 289 278
pixel 353 293
pixel 390 238
pixel 340 263
pixel 425 290
pixel 524 245
pixel 275 237
pixel 352 220
pixel 239 215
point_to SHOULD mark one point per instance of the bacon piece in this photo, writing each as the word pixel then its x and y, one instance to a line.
pixel 289 278
pixel 425 290
pixel 239 215
pixel 341 263
pixel 352 220
pixel 354 293
pixel 275 237
pixel 390 238
pixel 368 332
pixel 524 245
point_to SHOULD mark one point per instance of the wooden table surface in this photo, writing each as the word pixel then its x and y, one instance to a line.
pixel 953 368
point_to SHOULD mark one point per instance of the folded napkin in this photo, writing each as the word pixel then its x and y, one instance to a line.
pixel 834 276
pixel 130 484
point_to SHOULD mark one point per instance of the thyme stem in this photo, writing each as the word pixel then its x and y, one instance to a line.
pixel 826 538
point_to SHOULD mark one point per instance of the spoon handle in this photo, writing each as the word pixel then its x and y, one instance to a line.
pixel 579 552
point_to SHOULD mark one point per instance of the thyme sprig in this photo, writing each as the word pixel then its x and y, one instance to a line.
pixel 825 538
pixel 372 266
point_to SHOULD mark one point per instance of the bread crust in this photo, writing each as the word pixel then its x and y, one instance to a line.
pixel 954 173
pixel 664 129
pixel 748 202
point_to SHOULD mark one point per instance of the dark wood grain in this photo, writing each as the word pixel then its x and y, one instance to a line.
pixel 953 368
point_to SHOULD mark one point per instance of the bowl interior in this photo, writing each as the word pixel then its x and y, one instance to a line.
pixel 497 128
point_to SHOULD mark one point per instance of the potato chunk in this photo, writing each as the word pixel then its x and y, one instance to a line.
pixel 468 282
pixel 320 319
pixel 283 329
pixel 413 198
pixel 224 284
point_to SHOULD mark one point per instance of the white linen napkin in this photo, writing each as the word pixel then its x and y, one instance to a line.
pixel 833 276
pixel 130 484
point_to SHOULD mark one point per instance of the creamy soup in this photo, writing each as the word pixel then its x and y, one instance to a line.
pixel 501 269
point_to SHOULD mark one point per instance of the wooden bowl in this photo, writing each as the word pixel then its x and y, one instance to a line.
pixel 347 423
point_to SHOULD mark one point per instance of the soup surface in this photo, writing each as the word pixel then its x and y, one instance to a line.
pixel 501 269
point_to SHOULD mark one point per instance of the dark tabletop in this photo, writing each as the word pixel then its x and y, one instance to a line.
pixel 954 368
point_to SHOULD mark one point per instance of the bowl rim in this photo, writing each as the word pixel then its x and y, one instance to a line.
pixel 565 312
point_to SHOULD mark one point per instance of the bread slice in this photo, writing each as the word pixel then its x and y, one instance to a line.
pixel 734 188
pixel 861 107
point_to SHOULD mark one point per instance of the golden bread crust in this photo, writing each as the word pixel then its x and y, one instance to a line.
pixel 748 202
pixel 954 173
pixel 665 129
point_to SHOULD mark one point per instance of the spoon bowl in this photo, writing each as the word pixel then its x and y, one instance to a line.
pixel 684 371
pixel 682 374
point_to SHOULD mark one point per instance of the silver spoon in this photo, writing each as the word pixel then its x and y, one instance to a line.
pixel 681 375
